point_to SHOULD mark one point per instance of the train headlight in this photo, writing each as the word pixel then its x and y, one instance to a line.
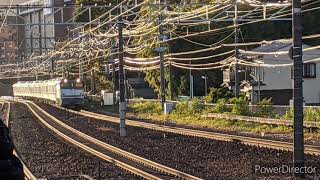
pixel 78 80
pixel 65 80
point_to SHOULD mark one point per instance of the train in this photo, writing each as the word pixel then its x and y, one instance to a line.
pixel 65 92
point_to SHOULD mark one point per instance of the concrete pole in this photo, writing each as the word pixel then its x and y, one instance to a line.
pixel 161 54
pixel 122 103
pixel 298 139
pixel 190 82
pixel 205 86
pixel 171 82
pixel 236 50
pixel 40 32
pixel 113 76
pixel 259 84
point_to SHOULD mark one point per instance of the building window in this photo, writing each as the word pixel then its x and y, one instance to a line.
pixel 309 70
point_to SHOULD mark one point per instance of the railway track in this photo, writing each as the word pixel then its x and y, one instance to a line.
pixel 5 107
pixel 280 145
pixel 133 163
pixel 272 121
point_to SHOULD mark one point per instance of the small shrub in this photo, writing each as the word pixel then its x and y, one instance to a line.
pixel 240 106
pixel 218 93
pixel 288 115
pixel 221 106
pixel 181 108
pixel 265 108
pixel 195 106
pixel 146 107
pixel 312 114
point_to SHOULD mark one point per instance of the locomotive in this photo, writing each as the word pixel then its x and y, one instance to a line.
pixel 64 92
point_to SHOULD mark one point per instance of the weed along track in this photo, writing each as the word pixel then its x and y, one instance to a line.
pixel 206 158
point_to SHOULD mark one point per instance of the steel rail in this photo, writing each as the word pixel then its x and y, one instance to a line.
pixel 262 120
pixel 28 174
pixel 274 144
pixel 130 156
pixel 91 150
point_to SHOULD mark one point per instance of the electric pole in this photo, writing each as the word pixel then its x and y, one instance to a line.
pixel 259 84
pixel 52 67
pixel 93 82
pixel 298 141
pixel 190 82
pixel 171 83
pixel 161 54
pixel 205 85
pixel 122 103
pixel 236 51
pixel 113 75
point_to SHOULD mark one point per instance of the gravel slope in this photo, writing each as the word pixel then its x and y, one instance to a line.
pixel 49 157
pixel 209 159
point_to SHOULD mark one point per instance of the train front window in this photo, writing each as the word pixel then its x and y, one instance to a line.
pixel 71 84
pixel 78 85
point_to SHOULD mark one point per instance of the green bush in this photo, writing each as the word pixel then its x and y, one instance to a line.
pixel 195 106
pixel 218 93
pixel 265 108
pixel 146 107
pixel 240 106
pixel 181 108
pixel 288 115
pixel 312 114
pixel 221 106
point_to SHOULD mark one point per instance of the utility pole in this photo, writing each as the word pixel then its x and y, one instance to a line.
pixel 298 141
pixel 93 83
pixel 18 32
pixel 52 67
pixel 236 51
pixel 113 75
pixel 40 32
pixel 161 54
pixel 122 103
pixel 205 85
pixel 190 82
pixel 171 83
pixel 259 84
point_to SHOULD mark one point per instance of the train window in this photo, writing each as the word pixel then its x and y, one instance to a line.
pixel 66 85
pixel 78 85
pixel 71 84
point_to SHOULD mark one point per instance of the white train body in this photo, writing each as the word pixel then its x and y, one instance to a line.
pixel 63 92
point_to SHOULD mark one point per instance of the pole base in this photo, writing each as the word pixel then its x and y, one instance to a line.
pixel 122 114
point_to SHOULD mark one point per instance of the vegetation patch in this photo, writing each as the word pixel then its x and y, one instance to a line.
pixel 190 113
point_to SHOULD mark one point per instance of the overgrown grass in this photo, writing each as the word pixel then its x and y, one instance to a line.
pixel 146 107
pixel 218 124
pixel 265 109
pixel 190 114
pixel 310 114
